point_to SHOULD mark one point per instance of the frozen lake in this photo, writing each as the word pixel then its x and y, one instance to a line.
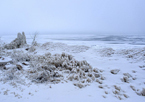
pixel 84 39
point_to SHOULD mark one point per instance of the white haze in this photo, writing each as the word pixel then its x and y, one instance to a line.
pixel 72 16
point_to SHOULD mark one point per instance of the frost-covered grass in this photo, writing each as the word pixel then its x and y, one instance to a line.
pixel 52 68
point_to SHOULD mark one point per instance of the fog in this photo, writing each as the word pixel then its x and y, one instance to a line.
pixel 72 16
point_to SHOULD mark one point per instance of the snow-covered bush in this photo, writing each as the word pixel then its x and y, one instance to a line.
pixel 20 41
pixel 51 68
pixel 42 77
pixel 10 73
pixel 17 56
pixel 106 52
pixel 137 54
pixel 64 47
pixel 80 85
pixel 32 49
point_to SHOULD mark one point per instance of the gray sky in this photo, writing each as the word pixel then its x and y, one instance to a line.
pixel 72 16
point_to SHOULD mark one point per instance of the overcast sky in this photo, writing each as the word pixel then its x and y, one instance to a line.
pixel 72 16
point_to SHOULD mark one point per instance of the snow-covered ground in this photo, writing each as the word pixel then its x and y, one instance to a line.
pixel 119 61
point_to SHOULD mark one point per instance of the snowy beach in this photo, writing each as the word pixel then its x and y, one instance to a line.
pixel 74 68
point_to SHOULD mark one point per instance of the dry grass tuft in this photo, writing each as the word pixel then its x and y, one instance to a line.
pixel 126 96
pixel 117 87
pixel 132 87
pixel 106 92
pixel 143 92
pixel 100 86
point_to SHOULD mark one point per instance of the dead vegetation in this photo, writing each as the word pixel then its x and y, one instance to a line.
pixel 137 91
pixel 55 68
pixel 127 77
pixel 137 54
pixel 143 92
pixel 119 93
pixel 114 71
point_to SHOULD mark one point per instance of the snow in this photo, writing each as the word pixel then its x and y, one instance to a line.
pixel 5 59
pixel 128 58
